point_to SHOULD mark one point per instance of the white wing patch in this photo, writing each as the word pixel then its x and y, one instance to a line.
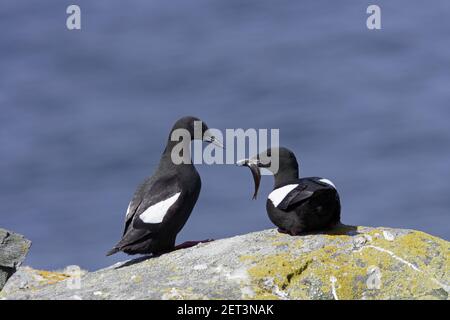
pixel 328 182
pixel 128 210
pixel 277 195
pixel 156 212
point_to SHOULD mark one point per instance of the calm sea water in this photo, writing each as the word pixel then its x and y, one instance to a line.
pixel 85 115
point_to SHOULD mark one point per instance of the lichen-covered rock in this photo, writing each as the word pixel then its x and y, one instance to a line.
pixel 345 263
pixel 13 250
pixel 27 278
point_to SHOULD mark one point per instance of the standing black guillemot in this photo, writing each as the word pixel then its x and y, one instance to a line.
pixel 162 204
pixel 296 205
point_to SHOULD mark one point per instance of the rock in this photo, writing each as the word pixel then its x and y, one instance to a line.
pixel 27 278
pixel 345 263
pixel 13 250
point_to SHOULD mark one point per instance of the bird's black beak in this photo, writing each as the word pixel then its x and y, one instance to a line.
pixel 256 173
pixel 211 139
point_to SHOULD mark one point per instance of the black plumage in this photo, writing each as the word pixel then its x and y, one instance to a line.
pixel 163 203
pixel 298 205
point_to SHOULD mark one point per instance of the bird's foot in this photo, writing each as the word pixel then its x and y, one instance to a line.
pixel 290 232
pixel 189 244
pixel 283 231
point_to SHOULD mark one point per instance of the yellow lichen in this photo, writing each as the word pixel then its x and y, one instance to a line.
pixel 401 264
pixel 245 258
pixel 50 277
pixel 280 243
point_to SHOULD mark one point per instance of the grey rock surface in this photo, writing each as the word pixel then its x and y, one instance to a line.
pixel 345 263
pixel 27 278
pixel 13 250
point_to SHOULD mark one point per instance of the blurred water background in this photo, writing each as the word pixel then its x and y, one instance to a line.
pixel 85 114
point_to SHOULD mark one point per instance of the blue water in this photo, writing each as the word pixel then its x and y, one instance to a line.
pixel 85 114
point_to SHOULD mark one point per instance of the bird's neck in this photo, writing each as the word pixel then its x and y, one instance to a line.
pixel 175 152
pixel 285 176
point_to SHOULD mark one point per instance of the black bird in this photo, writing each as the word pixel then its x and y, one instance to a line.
pixel 162 204
pixel 295 205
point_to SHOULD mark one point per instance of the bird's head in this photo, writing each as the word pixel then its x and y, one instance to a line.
pixel 196 129
pixel 281 162
pixel 273 159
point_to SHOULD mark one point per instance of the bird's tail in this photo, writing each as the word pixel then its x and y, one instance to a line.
pixel 112 251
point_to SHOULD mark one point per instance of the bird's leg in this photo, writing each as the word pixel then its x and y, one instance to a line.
pixel 189 244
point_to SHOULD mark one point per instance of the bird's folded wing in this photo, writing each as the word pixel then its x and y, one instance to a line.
pixel 304 191
pixel 156 201
pixel 155 213
pixel 294 197
pixel 132 207
pixel 151 203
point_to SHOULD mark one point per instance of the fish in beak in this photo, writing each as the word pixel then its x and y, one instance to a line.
pixel 253 164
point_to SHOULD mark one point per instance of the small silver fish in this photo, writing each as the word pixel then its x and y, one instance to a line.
pixel 256 173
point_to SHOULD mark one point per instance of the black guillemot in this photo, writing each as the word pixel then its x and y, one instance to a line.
pixel 296 205
pixel 163 203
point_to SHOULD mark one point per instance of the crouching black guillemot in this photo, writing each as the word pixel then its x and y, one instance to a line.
pixel 162 204
pixel 296 205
